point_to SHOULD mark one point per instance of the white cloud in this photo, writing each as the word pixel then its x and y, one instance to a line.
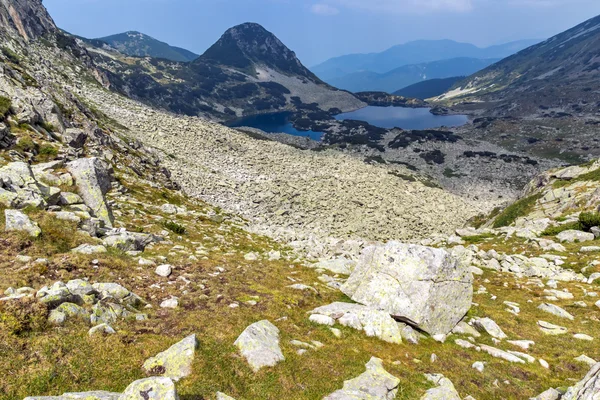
pixel 324 9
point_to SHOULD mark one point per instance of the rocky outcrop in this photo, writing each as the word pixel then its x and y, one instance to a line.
pixel 259 345
pixel 92 177
pixel 17 221
pixel 588 388
pixel 27 17
pixel 422 286
pixel 150 389
pixel 375 384
pixel 443 391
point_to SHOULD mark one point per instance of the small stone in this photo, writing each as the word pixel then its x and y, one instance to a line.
pixel 544 363
pixel 488 325
pixel 551 329
pixel 259 345
pixel 582 336
pixel 101 329
pixel 155 388
pixel 555 310
pixel 173 302
pixel 479 366
pixel 586 360
pixel 336 332
pixel 17 221
pixel 163 270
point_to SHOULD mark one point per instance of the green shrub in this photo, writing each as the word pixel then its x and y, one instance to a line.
pixel 588 220
pixel 517 209
pixel 5 105
pixel 48 152
pixel 27 144
pixel 10 55
pixel 175 227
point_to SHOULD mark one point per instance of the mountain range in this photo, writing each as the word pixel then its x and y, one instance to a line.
pixel 248 70
pixel 429 88
pixel 409 74
pixel 416 52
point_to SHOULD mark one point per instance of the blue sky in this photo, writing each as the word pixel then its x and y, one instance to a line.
pixel 317 30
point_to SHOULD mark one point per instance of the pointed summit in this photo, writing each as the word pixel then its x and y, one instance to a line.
pixel 246 45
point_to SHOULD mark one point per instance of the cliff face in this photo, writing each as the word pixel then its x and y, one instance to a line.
pixel 29 18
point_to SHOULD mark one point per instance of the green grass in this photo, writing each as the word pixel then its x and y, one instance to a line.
pixel 555 230
pixel 518 209
pixel 478 238
pixel 5 105
pixel 175 227
pixel 10 55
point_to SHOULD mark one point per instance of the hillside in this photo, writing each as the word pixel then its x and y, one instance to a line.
pixel 148 255
pixel 247 71
pixel 429 88
pixel 417 52
pixel 409 74
pixel 140 45
pixel 557 75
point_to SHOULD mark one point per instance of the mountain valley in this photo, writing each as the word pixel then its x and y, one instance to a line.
pixel 149 252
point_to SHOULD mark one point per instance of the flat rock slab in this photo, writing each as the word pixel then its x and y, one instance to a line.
pixel 555 310
pixel 259 344
pixel 426 287
pixel 551 329
pixel 175 362
pixel 95 395
pixel 372 322
pixel 494 352
pixel 373 384
pixel 490 326
pixel 573 236
pixel 156 388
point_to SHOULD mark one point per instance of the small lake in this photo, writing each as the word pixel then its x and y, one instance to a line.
pixel 402 117
pixel 273 123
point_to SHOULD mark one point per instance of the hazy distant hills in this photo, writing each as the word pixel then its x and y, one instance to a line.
pixel 561 73
pixel 429 88
pixel 417 52
pixel 137 44
pixel 409 74
pixel 375 71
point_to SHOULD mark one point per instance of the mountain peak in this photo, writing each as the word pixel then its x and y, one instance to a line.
pixel 247 45
pixel 29 18
pixel 139 44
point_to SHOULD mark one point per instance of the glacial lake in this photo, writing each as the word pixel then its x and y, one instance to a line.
pixel 383 117
pixel 274 123
pixel 402 117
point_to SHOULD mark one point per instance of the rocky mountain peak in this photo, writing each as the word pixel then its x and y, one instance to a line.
pixel 28 18
pixel 249 44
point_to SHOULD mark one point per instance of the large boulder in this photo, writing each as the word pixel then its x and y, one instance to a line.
pixel 259 344
pixel 574 236
pixel 586 389
pixel 373 384
pixel 19 187
pixel 175 362
pixel 422 286
pixel 92 177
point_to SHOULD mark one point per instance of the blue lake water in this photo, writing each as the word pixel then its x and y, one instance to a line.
pixel 402 117
pixel 383 117
pixel 274 123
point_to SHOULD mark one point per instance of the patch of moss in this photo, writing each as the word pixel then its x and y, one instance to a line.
pixel 175 227
pixel 5 106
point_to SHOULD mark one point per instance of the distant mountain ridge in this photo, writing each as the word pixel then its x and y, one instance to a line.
pixel 138 44
pixel 407 75
pixel 416 52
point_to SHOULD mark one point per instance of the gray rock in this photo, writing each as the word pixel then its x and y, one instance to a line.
pixel 490 326
pixel 16 221
pixel 337 266
pixel 423 286
pixel 555 310
pixel 444 391
pixel 551 329
pixel 102 329
pixel 586 360
pixel 572 236
pixel 156 388
pixel 68 199
pixel 89 249
pixel 586 389
pixel 74 137
pixel 163 270
pixel 93 181
pixel 223 396
pixel 175 362
pixel 373 323
pixel 550 394
pixel 494 352
pixel 373 384
pixel 259 345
